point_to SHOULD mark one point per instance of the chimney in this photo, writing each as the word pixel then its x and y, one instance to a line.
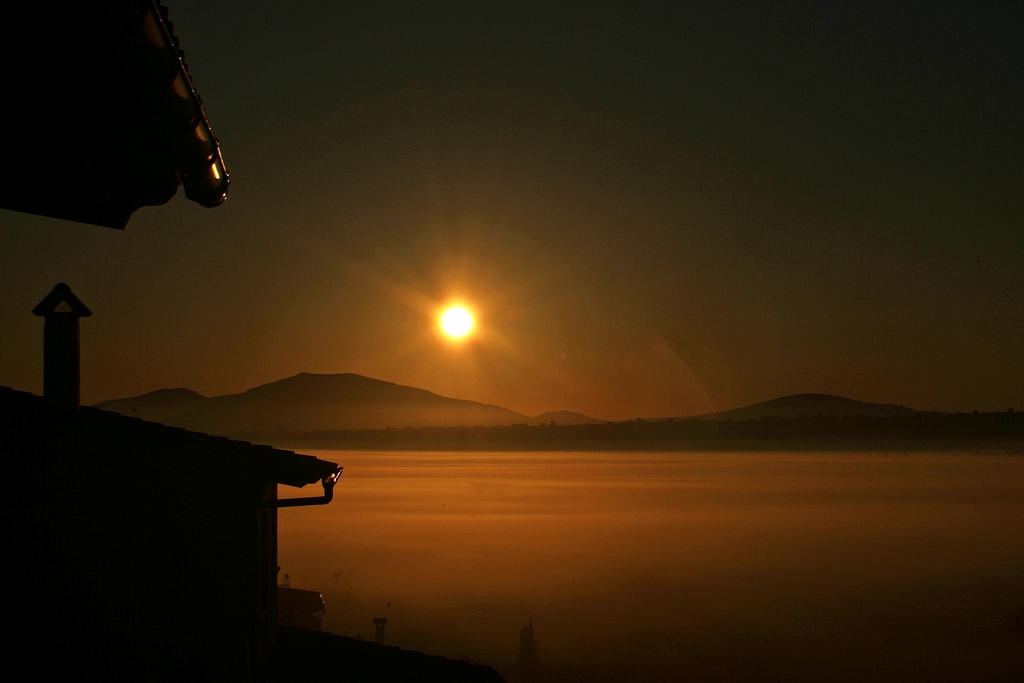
pixel 61 310
pixel 380 623
pixel 528 654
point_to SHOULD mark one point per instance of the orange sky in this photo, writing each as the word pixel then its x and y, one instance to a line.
pixel 624 261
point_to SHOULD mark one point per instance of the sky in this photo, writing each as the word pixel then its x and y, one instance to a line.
pixel 652 212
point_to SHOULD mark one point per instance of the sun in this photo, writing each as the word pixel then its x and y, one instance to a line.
pixel 457 322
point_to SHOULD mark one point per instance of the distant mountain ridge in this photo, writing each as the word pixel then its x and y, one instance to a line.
pixel 309 402
pixel 810 405
pixel 312 402
pixel 563 417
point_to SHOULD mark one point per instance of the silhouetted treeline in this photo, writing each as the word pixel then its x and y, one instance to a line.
pixel 1002 430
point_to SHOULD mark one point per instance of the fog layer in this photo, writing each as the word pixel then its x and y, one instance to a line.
pixel 664 567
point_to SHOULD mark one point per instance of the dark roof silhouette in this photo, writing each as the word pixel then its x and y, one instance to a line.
pixel 305 656
pixel 308 601
pixel 23 409
pixel 162 544
pixel 154 546
pixel 61 294
pixel 103 116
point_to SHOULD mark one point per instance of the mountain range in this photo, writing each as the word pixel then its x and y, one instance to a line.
pixel 810 405
pixel 314 403
pixel 311 402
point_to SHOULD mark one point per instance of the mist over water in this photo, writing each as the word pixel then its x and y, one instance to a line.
pixel 678 566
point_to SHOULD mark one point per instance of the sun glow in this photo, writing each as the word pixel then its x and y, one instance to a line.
pixel 457 322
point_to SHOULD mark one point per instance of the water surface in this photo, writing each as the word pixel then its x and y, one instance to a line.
pixel 678 566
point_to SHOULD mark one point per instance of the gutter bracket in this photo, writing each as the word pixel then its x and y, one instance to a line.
pixel 328 483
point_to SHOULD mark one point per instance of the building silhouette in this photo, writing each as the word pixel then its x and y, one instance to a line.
pixel 379 623
pixel 528 670
pixel 133 550
pixel 138 551
pixel 300 608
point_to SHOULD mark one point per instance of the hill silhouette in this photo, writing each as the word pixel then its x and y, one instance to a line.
pixel 309 402
pixel 564 417
pixel 312 402
pixel 352 411
pixel 810 405
pixel 162 399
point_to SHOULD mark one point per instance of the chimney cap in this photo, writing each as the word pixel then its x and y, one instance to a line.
pixel 61 294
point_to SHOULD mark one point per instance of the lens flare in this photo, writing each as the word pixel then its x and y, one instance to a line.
pixel 457 322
